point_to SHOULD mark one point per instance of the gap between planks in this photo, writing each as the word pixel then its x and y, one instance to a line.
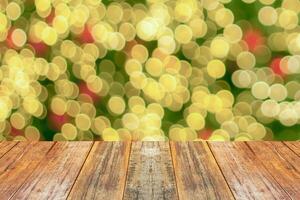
pixel 292 146
pixel 10 146
pixel 103 174
pixel 174 157
pixel 87 155
pixel 20 165
pixel 174 173
pixel 258 169
pixel 61 169
pixel 284 157
pixel 219 167
pixel 129 156
pixel 197 173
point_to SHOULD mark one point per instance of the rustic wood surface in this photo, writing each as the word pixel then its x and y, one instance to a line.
pixel 281 164
pixel 149 170
pixel 5 147
pixel 246 175
pixel 197 173
pixel 18 164
pixel 104 173
pixel 56 173
pixel 294 146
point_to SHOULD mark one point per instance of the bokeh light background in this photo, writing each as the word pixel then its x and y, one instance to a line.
pixel 150 70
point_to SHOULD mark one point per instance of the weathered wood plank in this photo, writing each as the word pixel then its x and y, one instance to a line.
pixel 103 175
pixel 56 173
pixel 294 146
pixel 197 173
pixel 246 175
pixel 5 147
pixel 17 165
pixel 150 172
pixel 282 163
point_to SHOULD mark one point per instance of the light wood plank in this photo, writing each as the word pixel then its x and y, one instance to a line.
pixel 17 165
pixel 150 172
pixel 197 173
pixel 294 146
pixel 246 175
pixel 103 175
pixel 282 163
pixel 5 147
pixel 56 173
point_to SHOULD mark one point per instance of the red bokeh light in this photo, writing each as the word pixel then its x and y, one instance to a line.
pixel 86 36
pixel 57 121
pixel 275 66
pixel 83 89
pixel 15 132
pixel 50 17
pixel 253 38
pixel 40 48
pixel 205 134
pixel 9 41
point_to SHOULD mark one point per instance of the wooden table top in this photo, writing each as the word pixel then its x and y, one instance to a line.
pixel 149 170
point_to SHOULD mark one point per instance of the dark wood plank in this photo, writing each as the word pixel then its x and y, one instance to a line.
pixel 103 175
pixel 17 165
pixel 282 163
pixel 197 173
pixel 5 147
pixel 246 175
pixel 150 172
pixel 294 146
pixel 56 173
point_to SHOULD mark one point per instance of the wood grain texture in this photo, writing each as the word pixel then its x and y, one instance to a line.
pixel 18 164
pixel 197 173
pixel 294 146
pixel 103 175
pixel 150 172
pixel 56 173
pixel 103 170
pixel 246 175
pixel 282 163
pixel 5 147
